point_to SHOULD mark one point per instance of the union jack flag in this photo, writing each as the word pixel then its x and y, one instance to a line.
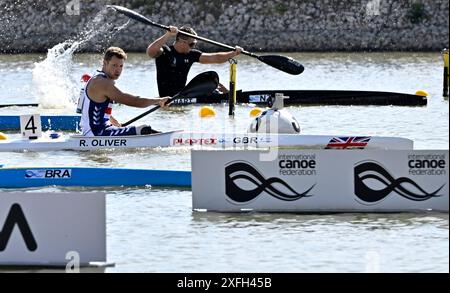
pixel 353 142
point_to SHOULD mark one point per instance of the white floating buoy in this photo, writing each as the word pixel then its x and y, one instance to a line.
pixel 275 120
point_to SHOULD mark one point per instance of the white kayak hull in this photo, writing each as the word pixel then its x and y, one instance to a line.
pixel 212 140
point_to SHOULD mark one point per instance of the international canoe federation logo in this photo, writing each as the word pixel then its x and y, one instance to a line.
pixel 369 171
pixel 354 142
pixel 253 184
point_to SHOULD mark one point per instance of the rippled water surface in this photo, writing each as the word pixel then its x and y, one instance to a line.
pixel 155 230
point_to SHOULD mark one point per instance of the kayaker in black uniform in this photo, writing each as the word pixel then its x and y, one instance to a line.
pixel 174 62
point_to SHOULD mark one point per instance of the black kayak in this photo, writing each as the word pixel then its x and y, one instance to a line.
pixel 314 97
pixel 330 97
pixel 301 97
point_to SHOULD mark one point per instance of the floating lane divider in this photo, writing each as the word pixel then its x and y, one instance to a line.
pixel 18 105
pixel 48 122
pixel 79 176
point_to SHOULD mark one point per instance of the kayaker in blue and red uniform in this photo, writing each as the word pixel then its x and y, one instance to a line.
pixel 99 94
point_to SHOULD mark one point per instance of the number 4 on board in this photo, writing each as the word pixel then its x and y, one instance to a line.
pixel 30 126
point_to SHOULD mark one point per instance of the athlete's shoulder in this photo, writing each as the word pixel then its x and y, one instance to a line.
pixel 100 82
pixel 164 52
pixel 167 49
pixel 195 54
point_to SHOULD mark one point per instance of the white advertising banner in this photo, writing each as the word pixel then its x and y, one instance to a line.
pixel 320 180
pixel 52 228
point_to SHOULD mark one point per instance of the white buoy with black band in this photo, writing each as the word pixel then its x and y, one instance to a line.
pixel 276 119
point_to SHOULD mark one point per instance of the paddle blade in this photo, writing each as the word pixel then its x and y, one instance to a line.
pixel 132 14
pixel 283 63
pixel 201 85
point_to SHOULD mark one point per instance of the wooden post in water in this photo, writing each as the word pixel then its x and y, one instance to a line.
pixel 232 93
pixel 446 73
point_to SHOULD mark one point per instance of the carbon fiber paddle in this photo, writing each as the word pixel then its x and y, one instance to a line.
pixel 279 62
pixel 201 85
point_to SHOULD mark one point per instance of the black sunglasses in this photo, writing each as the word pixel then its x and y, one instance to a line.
pixel 191 45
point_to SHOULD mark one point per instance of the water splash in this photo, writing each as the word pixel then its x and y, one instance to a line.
pixel 55 84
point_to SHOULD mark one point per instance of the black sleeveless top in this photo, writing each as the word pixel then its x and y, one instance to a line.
pixel 172 69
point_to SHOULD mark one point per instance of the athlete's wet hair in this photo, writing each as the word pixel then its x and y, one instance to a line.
pixel 186 29
pixel 114 51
